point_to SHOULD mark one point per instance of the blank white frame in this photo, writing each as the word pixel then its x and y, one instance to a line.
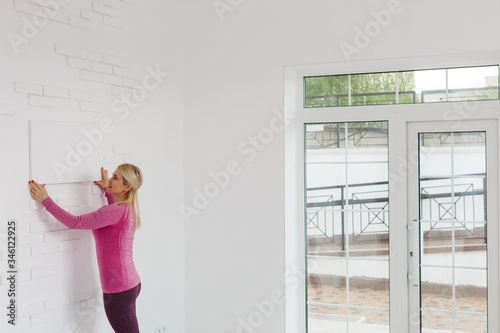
pixel 65 152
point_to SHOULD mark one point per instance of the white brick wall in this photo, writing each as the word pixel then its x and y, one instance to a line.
pixel 80 95
pixel 69 245
pixel 43 226
pixel 115 3
pixel 44 243
pixel 54 236
pixel 31 309
pixel 43 272
pixel 43 249
pixel 122 91
pixel 106 13
pixel 89 304
pixel 111 79
pixel 106 10
pixel 55 92
pixel 28 88
pixel 102 68
pixel 6 109
pixel 123 149
pixel 23 252
pixel 80 22
pixel 121 71
pixel 67 50
pixel 45 317
pixel 42 101
pixel 54 303
pixel 26 7
pixel 61 226
pixel 65 99
pixel 79 63
pixel 91 55
pixel 112 60
pixel 81 296
pixel 131 83
pixel 113 22
pixel 31 239
pixel 90 76
pixel 91 15
pixel 36 215
pixel 97 67
pixel 90 107
pixel 40 248
pixel 35 204
pixel 61 18
pixel 23 275
pixel 113 159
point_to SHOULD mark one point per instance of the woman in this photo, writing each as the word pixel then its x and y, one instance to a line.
pixel 113 227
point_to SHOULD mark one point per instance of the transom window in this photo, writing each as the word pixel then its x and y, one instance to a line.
pixel 403 87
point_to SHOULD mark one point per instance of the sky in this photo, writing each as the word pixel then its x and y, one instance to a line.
pixel 473 77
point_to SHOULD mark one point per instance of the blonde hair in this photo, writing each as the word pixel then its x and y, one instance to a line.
pixel 132 175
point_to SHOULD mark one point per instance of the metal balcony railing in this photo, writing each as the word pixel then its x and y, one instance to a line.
pixel 368 208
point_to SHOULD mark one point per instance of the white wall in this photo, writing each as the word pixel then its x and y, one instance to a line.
pixel 58 285
pixel 233 81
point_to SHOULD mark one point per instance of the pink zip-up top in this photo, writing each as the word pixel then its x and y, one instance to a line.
pixel 113 227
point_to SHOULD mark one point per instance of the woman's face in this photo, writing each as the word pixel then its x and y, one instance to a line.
pixel 115 184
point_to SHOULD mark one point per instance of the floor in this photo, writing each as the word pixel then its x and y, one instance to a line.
pixel 323 318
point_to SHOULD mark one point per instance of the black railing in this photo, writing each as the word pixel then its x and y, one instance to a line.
pixel 444 95
pixel 374 193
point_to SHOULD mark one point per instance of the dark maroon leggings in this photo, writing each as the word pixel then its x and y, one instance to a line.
pixel 120 310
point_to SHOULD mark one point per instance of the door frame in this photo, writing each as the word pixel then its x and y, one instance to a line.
pixel 413 129
pixel 398 116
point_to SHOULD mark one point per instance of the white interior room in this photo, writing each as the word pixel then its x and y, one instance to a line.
pixel 206 97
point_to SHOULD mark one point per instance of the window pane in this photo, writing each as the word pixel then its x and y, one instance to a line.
pixel 404 87
pixel 431 85
pixel 325 91
pixel 453 230
pixel 371 89
pixel 473 83
pixel 347 226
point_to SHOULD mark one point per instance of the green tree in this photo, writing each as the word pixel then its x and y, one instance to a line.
pixel 366 89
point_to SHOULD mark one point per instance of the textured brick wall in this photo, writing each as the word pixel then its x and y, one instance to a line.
pixel 81 66
pixel 105 12
pixel 45 245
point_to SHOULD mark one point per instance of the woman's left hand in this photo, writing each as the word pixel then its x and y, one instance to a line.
pixel 38 192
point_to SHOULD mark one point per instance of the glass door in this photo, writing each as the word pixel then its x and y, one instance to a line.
pixel 347 226
pixel 450 227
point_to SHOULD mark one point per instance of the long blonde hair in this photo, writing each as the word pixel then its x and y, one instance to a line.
pixel 132 175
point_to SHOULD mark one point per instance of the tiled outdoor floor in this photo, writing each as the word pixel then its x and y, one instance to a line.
pixel 380 299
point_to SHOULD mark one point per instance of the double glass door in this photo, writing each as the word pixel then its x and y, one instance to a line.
pixel 376 265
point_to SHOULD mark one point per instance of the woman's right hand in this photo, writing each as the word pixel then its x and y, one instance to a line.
pixel 103 183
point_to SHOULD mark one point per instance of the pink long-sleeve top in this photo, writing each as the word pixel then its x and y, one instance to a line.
pixel 113 227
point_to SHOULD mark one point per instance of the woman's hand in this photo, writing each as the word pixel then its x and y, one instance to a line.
pixel 38 192
pixel 103 183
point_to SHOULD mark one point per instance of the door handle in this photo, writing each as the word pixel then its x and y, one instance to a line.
pixel 414 258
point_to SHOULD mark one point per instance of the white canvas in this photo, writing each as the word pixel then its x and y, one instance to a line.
pixel 65 152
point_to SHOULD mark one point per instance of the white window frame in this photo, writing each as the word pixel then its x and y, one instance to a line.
pixel 398 119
